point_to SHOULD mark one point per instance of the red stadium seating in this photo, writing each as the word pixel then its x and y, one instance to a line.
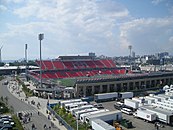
pixel 106 63
pixel 80 74
pixel 69 65
pixel 70 69
pixel 42 65
pixel 79 64
pixel 58 64
pixel 44 76
pixel 51 75
pixel 99 64
pixel 91 64
pixel 72 74
pixel 112 63
pixel 62 75
pixel 48 65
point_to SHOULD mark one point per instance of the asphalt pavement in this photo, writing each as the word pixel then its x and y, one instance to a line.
pixel 16 99
pixel 138 124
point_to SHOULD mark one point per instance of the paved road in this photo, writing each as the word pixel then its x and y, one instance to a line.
pixel 138 124
pixel 18 105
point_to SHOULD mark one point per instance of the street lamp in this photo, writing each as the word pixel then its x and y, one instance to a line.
pixel 40 37
pixel 77 122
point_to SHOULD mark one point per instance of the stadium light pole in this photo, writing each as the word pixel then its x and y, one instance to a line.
pixel 130 48
pixel 40 37
pixel 26 62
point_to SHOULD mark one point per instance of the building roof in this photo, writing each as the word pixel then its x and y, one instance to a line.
pixel 16 67
pixel 103 124
pixel 109 78
pixel 104 113
pixel 159 110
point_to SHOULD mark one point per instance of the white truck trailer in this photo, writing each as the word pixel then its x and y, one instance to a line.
pixel 63 102
pixel 146 115
pixel 72 111
pixel 125 95
pixel 78 113
pixel 105 96
pixel 82 116
pixel 131 103
pixel 163 115
pixel 98 124
pixel 109 116
pixel 140 100
pixel 74 105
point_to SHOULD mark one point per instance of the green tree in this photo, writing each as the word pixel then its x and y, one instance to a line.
pixel 86 126
pixel 12 109
pixel 6 100
pixel 2 98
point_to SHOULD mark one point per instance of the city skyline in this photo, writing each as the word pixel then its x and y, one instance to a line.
pixel 77 27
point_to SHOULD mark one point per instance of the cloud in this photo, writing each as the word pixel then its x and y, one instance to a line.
pixel 156 2
pixel 70 26
pixel 3 8
pixel 171 39
pixel 147 35
pixel 82 26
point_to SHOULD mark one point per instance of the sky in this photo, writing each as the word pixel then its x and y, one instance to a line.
pixel 72 27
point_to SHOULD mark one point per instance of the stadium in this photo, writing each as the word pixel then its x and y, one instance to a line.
pixel 90 75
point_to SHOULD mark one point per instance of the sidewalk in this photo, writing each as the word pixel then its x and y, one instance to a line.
pixel 16 90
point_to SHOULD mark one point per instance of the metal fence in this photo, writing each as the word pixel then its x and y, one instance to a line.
pixel 67 126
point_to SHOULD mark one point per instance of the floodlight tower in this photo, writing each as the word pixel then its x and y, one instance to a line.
pixel 26 61
pixel 0 53
pixel 130 48
pixel 40 37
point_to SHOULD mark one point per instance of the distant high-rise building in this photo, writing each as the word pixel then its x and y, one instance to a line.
pixel 161 55
pixel 130 48
pixel 133 54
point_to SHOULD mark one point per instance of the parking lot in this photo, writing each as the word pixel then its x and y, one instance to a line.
pixel 6 122
pixel 138 124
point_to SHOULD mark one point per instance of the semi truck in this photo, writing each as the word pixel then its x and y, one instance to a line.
pixel 146 115
pixel 125 95
pixel 131 103
pixel 105 96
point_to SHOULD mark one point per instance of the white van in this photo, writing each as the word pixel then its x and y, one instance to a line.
pixel 127 111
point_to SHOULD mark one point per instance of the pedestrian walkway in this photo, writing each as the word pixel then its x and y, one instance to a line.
pixel 28 111
pixel 16 90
